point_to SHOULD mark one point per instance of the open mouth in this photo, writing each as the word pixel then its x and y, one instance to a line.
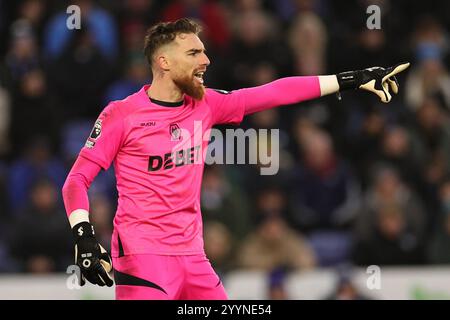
pixel 199 76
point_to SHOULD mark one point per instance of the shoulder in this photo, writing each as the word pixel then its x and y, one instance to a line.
pixel 123 108
pixel 216 95
pixel 112 110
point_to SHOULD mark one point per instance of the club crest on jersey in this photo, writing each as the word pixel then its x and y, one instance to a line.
pixel 95 134
pixel 175 132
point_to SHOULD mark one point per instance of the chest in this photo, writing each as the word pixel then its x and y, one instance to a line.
pixel 157 133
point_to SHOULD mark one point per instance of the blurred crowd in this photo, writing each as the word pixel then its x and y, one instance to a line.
pixel 360 182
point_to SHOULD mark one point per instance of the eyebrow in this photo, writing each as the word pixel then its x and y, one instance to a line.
pixel 196 50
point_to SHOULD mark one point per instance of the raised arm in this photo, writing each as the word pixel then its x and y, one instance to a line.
pixel 283 91
pixel 296 89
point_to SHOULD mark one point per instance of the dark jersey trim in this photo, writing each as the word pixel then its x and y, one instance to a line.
pixel 129 280
pixel 167 104
pixel 121 253
pixel 221 91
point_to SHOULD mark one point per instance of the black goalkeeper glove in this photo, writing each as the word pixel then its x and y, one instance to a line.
pixel 376 79
pixel 93 260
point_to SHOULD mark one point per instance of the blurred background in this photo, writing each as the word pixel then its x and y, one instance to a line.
pixel 360 183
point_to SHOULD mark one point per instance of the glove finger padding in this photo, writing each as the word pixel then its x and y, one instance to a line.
pixel 105 259
pixel 105 277
pixel 382 94
pixel 393 83
pixel 93 275
pixel 388 81
pixel 392 71
pixel 391 79
pixel 387 95
pixel 106 264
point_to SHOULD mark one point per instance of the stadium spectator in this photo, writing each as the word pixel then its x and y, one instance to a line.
pixel 35 13
pixel 438 251
pixel 78 75
pixel 40 241
pixel 210 13
pixel 135 76
pixel 101 25
pixel 431 132
pixel 323 190
pixel 219 246
pixel 308 39
pixel 33 112
pixel 273 243
pixel 23 53
pixel 102 214
pixel 38 162
pixel 224 202
pixel 429 78
pixel 400 149
pixel 255 35
pixel 391 226
pixel 5 121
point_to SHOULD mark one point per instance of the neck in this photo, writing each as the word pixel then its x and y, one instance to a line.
pixel 164 89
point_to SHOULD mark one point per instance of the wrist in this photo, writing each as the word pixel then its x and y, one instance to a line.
pixel 328 84
pixel 77 216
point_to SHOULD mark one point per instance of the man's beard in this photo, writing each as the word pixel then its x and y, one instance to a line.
pixel 187 85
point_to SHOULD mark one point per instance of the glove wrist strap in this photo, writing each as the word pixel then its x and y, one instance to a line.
pixel 83 230
pixel 348 80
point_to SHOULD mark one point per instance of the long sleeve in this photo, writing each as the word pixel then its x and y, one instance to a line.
pixel 280 92
pixel 75 189
pixel 232 106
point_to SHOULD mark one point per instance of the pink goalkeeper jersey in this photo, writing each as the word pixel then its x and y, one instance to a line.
pixel 158 161
pixel 158 156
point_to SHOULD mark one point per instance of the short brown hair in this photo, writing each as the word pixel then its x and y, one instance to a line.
pixel 165 32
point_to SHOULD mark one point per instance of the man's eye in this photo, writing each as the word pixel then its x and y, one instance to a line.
pixel 192 53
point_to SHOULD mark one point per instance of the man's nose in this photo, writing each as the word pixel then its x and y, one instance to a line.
pixel 205 60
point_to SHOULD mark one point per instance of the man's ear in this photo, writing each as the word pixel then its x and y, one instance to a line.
pixel 163 62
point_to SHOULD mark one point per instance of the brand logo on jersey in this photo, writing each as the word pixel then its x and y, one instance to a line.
pixel 177 158
pixel 175 132
pixel 148 124
pixel 95 134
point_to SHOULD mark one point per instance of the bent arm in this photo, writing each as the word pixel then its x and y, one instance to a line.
pixel 288 90
pixel 75 190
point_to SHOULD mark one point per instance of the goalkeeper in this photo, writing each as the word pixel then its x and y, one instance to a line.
pixel 157 242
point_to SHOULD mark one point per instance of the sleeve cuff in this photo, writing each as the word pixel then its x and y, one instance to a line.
pixel 78 216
